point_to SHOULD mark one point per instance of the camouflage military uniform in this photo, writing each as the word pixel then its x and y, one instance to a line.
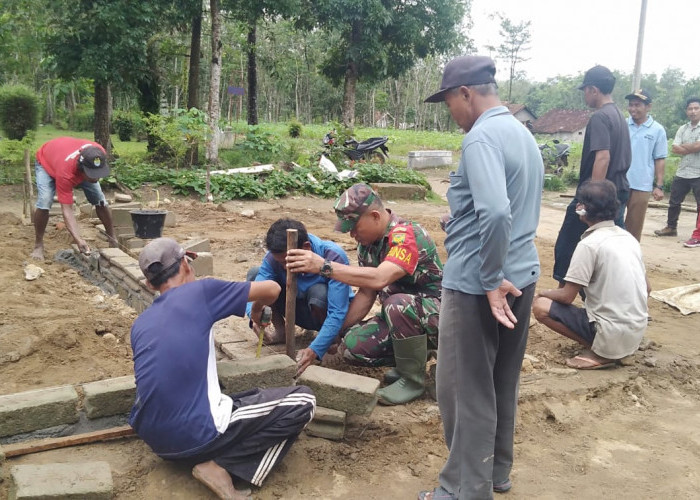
pixel 410 305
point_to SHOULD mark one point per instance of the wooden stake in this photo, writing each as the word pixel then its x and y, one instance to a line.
pixel 28 191
pixel 18 449
pixel 291 303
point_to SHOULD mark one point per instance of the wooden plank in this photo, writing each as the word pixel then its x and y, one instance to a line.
pixel 28 447
pixel 291 299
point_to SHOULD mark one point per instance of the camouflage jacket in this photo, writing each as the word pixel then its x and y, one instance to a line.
pixel 410 247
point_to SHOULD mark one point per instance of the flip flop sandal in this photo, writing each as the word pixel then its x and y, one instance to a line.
pixel 592 364
pixel 438 493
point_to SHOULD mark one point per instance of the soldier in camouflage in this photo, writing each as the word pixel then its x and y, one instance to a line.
pixel 399 264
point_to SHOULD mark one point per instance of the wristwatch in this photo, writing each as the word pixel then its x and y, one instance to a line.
pixel 656 186
pixel 326 269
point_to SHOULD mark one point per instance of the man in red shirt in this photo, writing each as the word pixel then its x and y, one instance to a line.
pixel 62 164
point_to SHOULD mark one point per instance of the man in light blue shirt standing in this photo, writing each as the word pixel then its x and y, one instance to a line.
pixel 649 152
pixel 488 282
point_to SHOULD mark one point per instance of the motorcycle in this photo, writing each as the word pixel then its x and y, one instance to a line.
pixel 370 149
pixel 555 155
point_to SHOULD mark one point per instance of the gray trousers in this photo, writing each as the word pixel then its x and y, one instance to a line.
pixel 478 371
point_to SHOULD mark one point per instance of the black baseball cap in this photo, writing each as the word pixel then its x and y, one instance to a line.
pixel 93 161
pixel 464 71
pixel 640 94
pixel 600 77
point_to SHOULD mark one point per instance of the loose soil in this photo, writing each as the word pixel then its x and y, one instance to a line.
pixel 631 432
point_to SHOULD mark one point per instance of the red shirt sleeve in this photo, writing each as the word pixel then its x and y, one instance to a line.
pixel 403 250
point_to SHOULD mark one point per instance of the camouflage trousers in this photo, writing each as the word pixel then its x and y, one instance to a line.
pixel 370 342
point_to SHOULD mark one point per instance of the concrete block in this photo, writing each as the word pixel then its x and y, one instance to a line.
pixel 170 219
pixel 271 371
pixel 133 243
pixel 326 430
pixel 201 245
pixel 133 271
pixel 429 159
pixel 389 191
pixel 121 217
pixel 204 264
pixel 86 480
pixel 124 237
pixel 328 415
pixel 123 261
pixel 353 394
pixel 32 410
pixel 112 396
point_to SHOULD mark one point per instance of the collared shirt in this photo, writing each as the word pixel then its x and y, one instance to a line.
pixel 649 144
pixel 410 247
pixel 494 201
pixel 608 263
pixel 690 164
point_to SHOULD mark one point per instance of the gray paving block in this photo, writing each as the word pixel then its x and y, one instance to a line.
pixel 353 394
pixel 326 430
pixel 170 219
pixel 390 191
pixel 243 374
pixel 197 245
pixel 204 264
pixel 32 410
pixel 328 415
pixel 112 396
pixel 72 481
pixel 429 159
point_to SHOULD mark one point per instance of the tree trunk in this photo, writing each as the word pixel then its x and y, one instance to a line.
pixel 193 78
pixel 351 76
pixel 103 112
pixel 252 76
pixel 349 96
pixel 215 85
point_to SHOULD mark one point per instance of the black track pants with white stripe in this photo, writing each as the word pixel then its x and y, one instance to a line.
pixel 264 424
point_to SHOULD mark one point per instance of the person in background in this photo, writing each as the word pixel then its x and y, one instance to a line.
pixel 649 152
pixel 687 178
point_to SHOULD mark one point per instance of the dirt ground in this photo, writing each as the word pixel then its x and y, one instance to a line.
pixel 631 432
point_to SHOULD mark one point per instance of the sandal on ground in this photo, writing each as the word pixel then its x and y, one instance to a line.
pixel 503 486
pixel 585 363
pixel 438 493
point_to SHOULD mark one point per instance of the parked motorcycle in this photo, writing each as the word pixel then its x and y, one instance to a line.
pixel 555 155
pixel 370 149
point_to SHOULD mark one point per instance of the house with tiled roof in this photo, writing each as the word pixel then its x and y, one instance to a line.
pixel 520 112
pixel 567 125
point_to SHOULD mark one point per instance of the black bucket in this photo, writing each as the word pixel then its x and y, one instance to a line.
pixel 148 224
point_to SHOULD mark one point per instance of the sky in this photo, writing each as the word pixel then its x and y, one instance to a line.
pixel 570 36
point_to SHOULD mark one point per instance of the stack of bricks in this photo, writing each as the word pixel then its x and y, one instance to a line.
pixel 118 273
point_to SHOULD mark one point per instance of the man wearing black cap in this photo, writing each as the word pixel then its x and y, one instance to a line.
pixel 649 152
pixel 488 284
pixel 606 155
pixel 62 164
pixel 180 411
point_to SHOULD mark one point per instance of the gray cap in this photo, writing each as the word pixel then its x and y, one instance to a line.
pixel 464 71
pixel 163 251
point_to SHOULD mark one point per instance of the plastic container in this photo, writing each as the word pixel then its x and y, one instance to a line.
pixel 148 224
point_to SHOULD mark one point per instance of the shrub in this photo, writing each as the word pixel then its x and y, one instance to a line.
pixel 123 125
pixel 553 183
pixel 82 119
pixel 295 128
pixel 19 111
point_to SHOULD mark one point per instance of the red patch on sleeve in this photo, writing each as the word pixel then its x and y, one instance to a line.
pixel 403 250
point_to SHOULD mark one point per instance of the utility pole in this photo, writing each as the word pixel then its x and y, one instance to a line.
pixel 637 76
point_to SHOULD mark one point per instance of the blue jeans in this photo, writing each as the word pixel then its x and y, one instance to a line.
pixel 571 231
pixel 46 190
pixel 316 296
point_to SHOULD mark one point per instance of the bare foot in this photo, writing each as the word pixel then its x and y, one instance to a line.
pixel 273 336
pixel 219 481
pixel 588 360
pixel 38 253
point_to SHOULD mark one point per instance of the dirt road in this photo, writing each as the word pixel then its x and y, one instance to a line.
pixel 630 432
